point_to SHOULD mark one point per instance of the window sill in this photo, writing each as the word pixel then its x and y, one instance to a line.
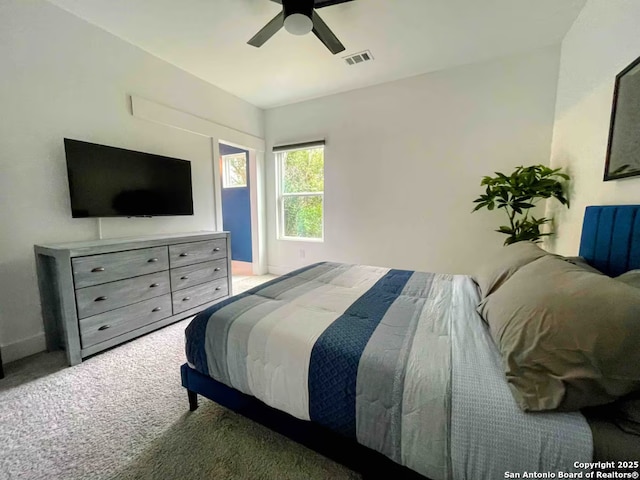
pixel 301 239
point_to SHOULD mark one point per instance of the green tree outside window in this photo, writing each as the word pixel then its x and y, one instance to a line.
pixel 302 191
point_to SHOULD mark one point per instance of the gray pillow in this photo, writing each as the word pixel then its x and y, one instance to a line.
pixel 568 337
pixel 632 277
pixel 507 262
pixel 582 262
pixel 610 443
pixel 627 414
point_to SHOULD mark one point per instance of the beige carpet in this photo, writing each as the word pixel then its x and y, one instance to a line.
pixel 123 414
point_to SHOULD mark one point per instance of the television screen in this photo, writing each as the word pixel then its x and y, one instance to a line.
pixel 114 182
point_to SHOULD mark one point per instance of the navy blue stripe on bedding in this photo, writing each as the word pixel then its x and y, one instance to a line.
pixel 196 330
pixel 335 357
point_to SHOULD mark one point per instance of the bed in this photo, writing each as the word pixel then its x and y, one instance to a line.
pixel 395 365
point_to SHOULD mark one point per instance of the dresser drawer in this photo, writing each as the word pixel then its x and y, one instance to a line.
pixel 109 267
pixel 193 296
pixel 110 324
pixel 191 275
pixel 197 252
pixel 107 296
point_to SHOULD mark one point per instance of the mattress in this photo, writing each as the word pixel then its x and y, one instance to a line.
pixel 397 360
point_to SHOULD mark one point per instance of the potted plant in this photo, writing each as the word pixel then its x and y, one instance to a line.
pixel 517 194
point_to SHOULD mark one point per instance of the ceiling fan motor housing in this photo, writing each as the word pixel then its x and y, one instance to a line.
pixel 299 17
pixel 305 7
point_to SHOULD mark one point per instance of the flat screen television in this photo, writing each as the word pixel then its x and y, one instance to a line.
pixel 114 182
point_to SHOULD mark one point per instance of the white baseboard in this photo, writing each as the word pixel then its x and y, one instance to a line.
pixel 23 348
pixel 273 270
pixel 259 269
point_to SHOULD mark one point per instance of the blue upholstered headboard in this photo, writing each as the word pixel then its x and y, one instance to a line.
pixel 611 238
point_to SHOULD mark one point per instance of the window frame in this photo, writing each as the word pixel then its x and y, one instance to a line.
pixel 225 170
pixel 280 157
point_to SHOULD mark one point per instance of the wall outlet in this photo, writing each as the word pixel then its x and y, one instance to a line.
pixel 302 253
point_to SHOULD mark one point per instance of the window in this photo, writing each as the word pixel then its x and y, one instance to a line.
pixel 301 193
pixel 234 170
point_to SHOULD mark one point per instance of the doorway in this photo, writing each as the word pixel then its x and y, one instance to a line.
pixel 236 206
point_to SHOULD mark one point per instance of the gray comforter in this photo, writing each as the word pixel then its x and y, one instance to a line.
pixel 398 360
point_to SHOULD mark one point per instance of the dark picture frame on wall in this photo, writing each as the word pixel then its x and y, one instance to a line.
pixel 623 150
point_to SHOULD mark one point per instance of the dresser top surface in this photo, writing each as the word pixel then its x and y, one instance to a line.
pixel 129 242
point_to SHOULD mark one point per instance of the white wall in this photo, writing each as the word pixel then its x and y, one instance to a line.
pixel 63 77
pixel 604 39
pixel 403 162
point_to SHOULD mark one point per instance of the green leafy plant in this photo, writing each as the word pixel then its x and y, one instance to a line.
pixel 517 194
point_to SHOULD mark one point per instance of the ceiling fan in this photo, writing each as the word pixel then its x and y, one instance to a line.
pixel 299 17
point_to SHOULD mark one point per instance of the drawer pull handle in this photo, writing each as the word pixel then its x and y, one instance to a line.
pixel 184 254
pixel 100 299
pixel 152 260
pixel 104 327
pixel 184 277
pixel 217 269
pixel 217 249
pixel 157 309
pixel 186 299
pixel 154 285
pixel 98 269
pixel 218 288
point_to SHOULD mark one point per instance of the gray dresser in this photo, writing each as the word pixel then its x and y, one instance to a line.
pixel 101 293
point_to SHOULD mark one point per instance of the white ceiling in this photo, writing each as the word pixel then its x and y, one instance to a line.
pixel 406 37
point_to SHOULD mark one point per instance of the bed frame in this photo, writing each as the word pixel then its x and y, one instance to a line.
pixel 367 462
pixel 610 242
pixel 611 238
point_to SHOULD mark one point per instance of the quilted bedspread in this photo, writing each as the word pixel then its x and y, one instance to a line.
pixel 396 359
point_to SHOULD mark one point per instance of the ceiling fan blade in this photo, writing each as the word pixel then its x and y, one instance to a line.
pixel 268 31
pixel 280 1
pixel 325 3
pixel 326 36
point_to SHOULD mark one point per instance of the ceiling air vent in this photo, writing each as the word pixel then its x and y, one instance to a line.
pixel 358 58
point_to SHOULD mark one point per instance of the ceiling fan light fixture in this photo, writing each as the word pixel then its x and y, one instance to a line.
pixel 298 24
pixel 299 17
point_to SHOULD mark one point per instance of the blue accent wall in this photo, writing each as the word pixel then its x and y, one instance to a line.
pixel 236 212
